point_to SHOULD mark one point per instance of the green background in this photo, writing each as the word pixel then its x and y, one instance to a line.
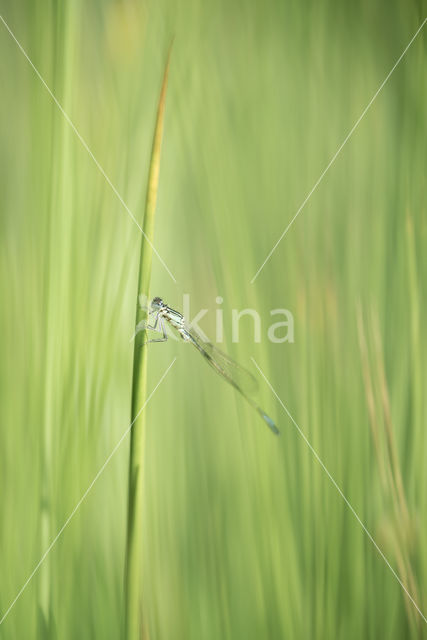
pixel 245 536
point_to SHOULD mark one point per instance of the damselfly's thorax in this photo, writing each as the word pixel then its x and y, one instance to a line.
pixel 175 318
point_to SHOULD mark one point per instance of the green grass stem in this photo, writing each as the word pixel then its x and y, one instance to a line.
pixel 133 591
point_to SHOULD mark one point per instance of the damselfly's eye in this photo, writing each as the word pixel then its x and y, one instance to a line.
pixel 156 302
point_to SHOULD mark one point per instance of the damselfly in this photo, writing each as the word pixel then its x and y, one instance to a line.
pixel 236 375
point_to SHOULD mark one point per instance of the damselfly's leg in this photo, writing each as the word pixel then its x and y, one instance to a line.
pixel 154 326
pixel 159 320
pixel 141 326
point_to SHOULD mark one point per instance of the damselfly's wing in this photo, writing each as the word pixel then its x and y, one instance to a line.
pixel 237 375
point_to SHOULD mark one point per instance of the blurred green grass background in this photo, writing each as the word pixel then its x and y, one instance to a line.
pixel 244 534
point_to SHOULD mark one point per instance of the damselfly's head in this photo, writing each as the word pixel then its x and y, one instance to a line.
pixel 157 304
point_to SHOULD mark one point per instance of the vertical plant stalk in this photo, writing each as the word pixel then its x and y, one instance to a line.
pixel 60 196
pixel 134 623
pixel 400 526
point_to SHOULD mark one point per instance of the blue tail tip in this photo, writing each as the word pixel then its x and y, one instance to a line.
pixel 270 423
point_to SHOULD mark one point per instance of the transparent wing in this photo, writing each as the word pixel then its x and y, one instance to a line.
pixel 237 375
